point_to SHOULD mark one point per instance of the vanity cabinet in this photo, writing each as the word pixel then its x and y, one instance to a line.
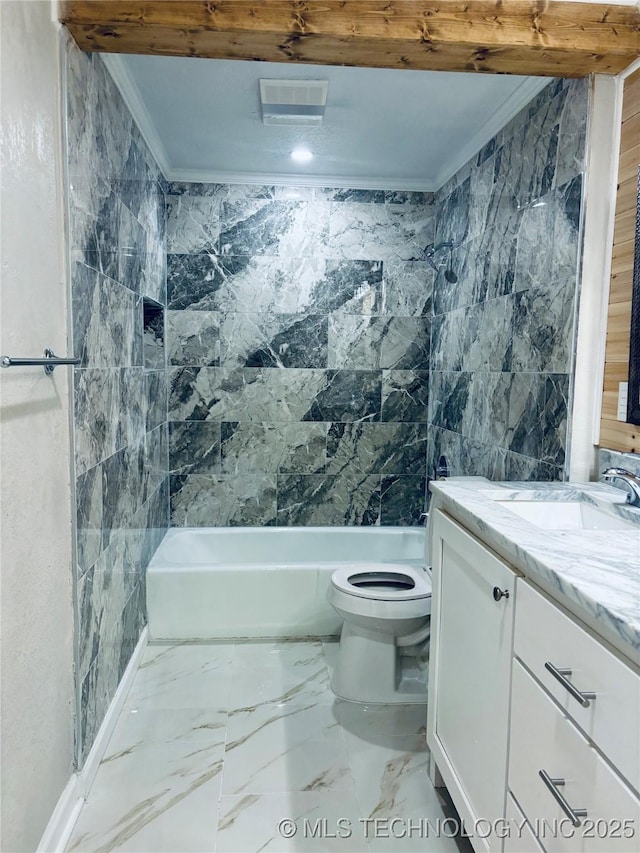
pixel 574 754
pixel 532 718
pixel 470 671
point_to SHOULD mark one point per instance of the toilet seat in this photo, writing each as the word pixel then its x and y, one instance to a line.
pixel 382 582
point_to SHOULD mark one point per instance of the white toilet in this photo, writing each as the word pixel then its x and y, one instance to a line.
pixel 384 644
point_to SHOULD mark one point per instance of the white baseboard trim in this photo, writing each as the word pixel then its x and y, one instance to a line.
pixel 67 810
pixel 64 818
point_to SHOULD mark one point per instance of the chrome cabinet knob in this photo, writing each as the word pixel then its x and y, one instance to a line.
pixel 500 593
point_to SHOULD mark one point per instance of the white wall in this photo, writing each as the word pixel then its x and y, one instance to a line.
pixel 35 579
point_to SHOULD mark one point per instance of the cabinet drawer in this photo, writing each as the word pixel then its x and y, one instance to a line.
pixel 545 635
pixel 542 738
pixel 521 838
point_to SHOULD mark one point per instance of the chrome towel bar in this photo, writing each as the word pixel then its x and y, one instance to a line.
pixel 49 362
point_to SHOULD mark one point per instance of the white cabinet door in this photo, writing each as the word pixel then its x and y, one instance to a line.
pixel 470 671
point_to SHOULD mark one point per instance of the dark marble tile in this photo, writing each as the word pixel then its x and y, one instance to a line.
pixel 88 518
pixel 566 233
pixel 279 340
pixel 542 328
pixel 555 419
pixel 526 407
pixel 193 224
pixel 408 197
pixel 224 501
pixel 353 287
pixel 407 289
pixel 525 468
pixel 405 395
pixel 122 484
pixel 197 189
pixel 281 228
pixel 105 328
pixel 452 222
pixel 402 500
pixel 328 500
pixel 155 462
pixel 155 398
pixel 98 428
pixel 194 447
pixel 380 232
pixel 193 338
pixel 449 396
pixel 194 279
pixel 353 195
pixel 369 343
pixel 264 394
pixel 376 448
pixel 273 448
pixel 347 395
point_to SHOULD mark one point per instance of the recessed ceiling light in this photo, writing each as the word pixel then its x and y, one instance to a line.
pixel 301 155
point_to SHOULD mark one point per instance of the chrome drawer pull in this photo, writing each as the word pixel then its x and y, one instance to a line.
pixel 574 815
pixel 561 675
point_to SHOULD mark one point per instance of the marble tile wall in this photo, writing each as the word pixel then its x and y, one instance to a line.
pixel 117 257
pixel 298 333
pixel 502 335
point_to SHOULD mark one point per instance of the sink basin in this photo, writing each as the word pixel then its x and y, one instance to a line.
pixel 565 515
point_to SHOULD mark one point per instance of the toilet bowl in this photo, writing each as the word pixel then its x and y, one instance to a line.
pixel 383 651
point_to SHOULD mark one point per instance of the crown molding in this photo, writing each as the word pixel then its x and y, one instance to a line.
pixel 527 90
pixel 121 76
pixel 204 176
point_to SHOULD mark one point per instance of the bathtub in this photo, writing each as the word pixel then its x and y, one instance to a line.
pixel 215 583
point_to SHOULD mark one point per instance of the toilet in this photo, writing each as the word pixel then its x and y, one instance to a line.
pixel 384 645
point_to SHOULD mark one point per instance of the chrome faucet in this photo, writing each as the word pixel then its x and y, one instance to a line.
pixel 630 481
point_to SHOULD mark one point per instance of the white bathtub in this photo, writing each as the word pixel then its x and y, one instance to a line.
pixel 212 583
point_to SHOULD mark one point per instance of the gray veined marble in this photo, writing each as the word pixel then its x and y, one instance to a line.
pixel 117 240
pixel 193 224
pixel 405 395
pixel 376 448
pixel 282 228
pixel 193 338
pixel 280 340
pixel 273 448
pixel 328 499
pixel 353 287
pixel 407 289
pixel 402 499
pixel 381 232
pixel 194 447
pixel 223 501
pixel 369 343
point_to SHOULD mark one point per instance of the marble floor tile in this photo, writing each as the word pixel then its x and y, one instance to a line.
pixel 296 747
pixel 184 676
pixel 158 785
pixel 253 686
pixel 250 823
pixel 218 743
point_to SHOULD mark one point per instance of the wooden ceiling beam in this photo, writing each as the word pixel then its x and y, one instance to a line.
pixel 495 36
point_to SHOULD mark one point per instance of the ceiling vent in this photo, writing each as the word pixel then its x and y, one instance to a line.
pixel 299 103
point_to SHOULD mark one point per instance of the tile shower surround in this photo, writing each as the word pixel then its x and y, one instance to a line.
pixel 117 256
pixel 298 331
pixel 502 336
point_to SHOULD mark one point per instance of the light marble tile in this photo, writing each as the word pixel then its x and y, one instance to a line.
pixel 296 747
pixel 157 785
pixel 253 686
pixel 251 822
pixel 392 780
pixel 185 676
pixel 378 723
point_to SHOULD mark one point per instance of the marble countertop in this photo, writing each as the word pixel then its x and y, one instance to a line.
pixel 595 574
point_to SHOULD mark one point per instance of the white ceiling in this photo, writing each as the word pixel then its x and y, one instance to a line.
pixel 389 129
